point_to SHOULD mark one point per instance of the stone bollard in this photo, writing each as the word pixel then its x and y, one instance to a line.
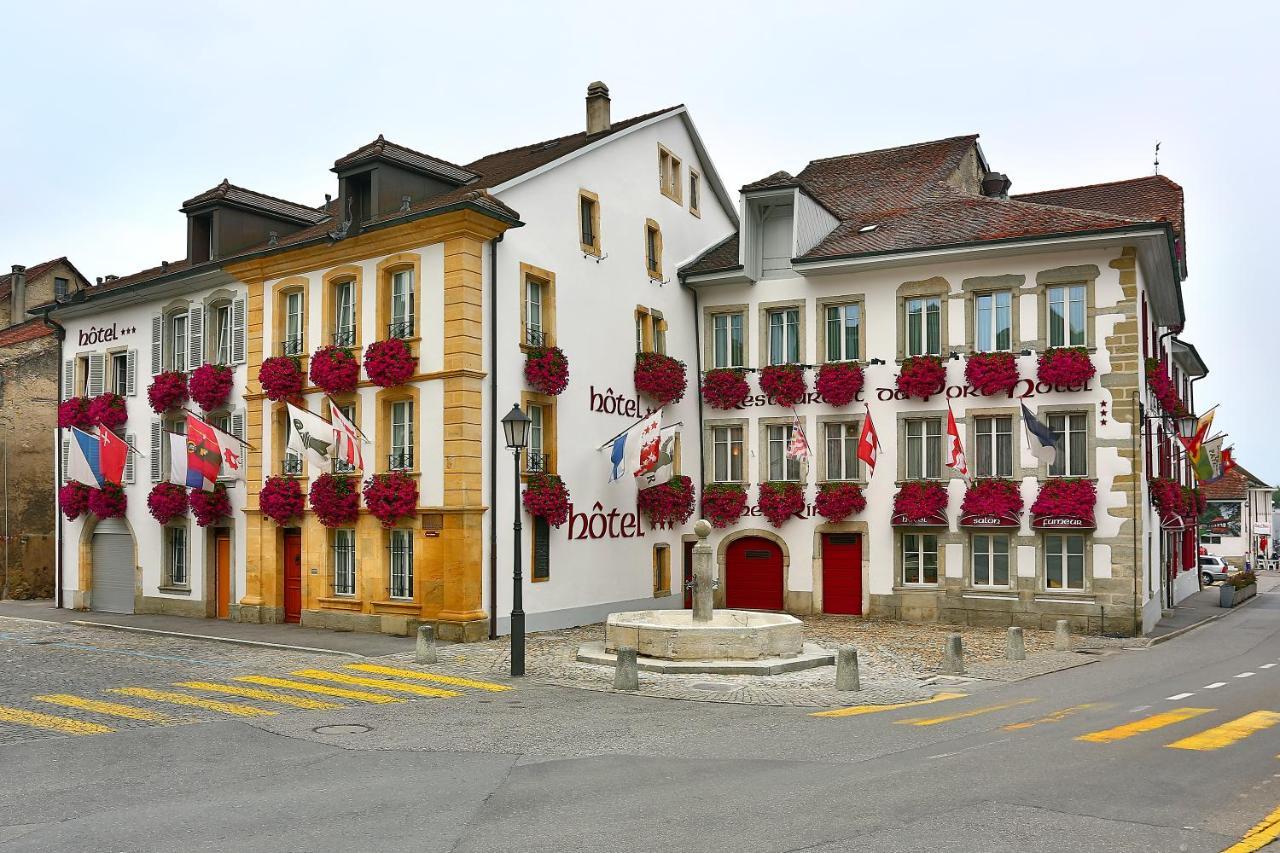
pixel 847 669
pixel 626 675
pixel 953 657
pixel 1062 636
pixel 1015 646
pixel 425 650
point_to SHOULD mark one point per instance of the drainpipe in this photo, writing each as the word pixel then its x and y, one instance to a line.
pixel 61 333
pixel 493 436
pixel 697 365
pixel 1135 413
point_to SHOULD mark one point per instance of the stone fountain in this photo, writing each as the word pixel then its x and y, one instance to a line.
pixel 737 642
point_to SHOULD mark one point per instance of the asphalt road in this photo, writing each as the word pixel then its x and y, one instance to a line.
pixel 1179 752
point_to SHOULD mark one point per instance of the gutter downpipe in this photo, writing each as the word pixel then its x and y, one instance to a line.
pixel 697 364
pixel 493 436
pixel 1135 412
pixel 61 333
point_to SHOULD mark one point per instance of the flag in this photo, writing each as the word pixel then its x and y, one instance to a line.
pixel 348 439
pixel 665 469
pixel 1201 464
pixel 1041 440
pixel 1210 460
pixel 868 444
pixel 84 459
pixel 798 447
pixel 310 435
pixel 625 455
pixel 179 472
pixel 650 437
pixel 195 459
pixel 113 453
pixel 230 449
pixel 955 452
pixel 1227 461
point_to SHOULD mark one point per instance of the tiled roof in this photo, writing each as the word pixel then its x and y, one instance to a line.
pixel 1232 486
pixel 1154 198
pixel 774 181
pixel 22 332
pixel 722 256
pixel 380 148
pixel 227 191
pixel 34 272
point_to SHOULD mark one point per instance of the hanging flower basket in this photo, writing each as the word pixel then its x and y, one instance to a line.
pixel 780 501
pixel 547 370
pixel 334 370
pixel 921 503
pixel 281 499
pixel 784 383
pixel 922 376
pixel 168 390
pixel 108 502
pixel 281 377
pixel 1179 506
pixel 108 411
pixel 166 502
pixel 991 503
pixel 668 505
pixel 389 363
pixel 725 387
pixel 839 382
pixel 391 497
pixel 210 385
pixel 992 372
pixel 74 413
pixel 1065 503
pixel 838 501
pixel 723 503
pixel 1161 385
pixel 73 500
pixel 546 496
pixel 1069 367
pixel 336 500
pixel 210 507
pixel 660 377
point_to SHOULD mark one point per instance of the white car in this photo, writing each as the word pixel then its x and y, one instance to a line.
pixel 1213 569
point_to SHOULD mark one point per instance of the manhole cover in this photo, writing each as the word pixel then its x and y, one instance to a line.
pixel 342 729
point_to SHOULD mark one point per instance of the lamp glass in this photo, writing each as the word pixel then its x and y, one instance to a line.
pixel 515 425
pixel 1187 425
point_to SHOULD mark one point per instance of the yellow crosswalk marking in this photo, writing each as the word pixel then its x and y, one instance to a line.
pixel 194 701
pixel 933 721
pixel 1262 834
pixel 858 710
pixel 265 695
pixel 1146 724
pixel 1228 733
pixel 45 721
pixel 322 689
pixel 380 683
pixel 97 706
pixel 427 676
pixel 1055 717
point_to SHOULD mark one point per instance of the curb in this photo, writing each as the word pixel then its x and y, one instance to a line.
pixel 230 640
pixel 1164 638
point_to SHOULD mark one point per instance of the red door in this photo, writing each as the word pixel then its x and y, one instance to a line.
pixel 842 573
pixel 222 572
pixel 688 575
pixel 753 575
pixel 293 575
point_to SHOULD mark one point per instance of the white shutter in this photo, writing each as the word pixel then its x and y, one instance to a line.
pixel 195 337
pixel 66 457
pixel 157 436
pixel 131 368
pixel 97 380
pixel 237 424
pixel 68 378
pixel 128 459
pixel 237 330
pixel 157 344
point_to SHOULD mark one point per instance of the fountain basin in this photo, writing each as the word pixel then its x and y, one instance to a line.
pixel 729 635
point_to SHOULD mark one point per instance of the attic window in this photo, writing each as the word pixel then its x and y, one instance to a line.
pixel 867 228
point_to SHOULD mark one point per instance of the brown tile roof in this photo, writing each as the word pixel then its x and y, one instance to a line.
pixel 380 148
pixel 720 257
pixel 34 272
pixel 1154 198
pixel 1233 486
pixel 22 332
pixel 774 181
pixel 279 207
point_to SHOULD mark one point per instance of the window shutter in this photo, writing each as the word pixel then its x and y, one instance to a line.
pixel 237 424
pixel 128 459
pixel 195 337
pixel 97 379
pixel 157 344
pixel 157 436
pixel 66 457
pixel 68 378
pixel 131 368
pixel 237 330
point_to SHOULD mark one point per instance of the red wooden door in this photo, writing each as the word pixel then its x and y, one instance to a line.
pixel 293 576
pixel 688 575
pixel 842 573
pixel 753 575
pixel 222 572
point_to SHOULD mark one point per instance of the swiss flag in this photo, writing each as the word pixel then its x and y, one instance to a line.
pixel 868 443
pixel 955 456
pixel 113 452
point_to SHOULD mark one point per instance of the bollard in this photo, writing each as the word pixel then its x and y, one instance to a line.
pixel 953 657
pixel 1062 636
pixel 1015 646
pixel 847 669
pixel 425 650
pixel 626 675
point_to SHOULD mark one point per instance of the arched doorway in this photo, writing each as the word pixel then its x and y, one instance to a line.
pixel 112 564
pixel 753 574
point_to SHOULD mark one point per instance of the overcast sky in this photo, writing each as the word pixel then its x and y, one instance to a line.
pixel 116 112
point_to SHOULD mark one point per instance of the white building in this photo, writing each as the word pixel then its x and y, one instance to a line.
pixel 1238 523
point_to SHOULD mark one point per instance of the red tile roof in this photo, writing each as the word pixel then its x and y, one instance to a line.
pixel 28 331
pixel 1154 198
pixel 1233 486
pixel 278 207
pixel 34 272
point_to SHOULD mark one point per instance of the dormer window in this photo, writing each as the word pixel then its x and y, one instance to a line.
pixel 360 197
pixel 775 239
pixel 201 238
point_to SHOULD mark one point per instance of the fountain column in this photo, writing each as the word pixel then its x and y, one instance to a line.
pixel 703 579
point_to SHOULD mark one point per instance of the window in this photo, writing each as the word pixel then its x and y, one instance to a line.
pixel 178 341
pixel 341 466
pixel 537 306
pixel 401 564
pixel 781 466
pixel 533 313
pixel 401 305
pixel 344 562
pixel 924 448
pixel 844 332
pixel 993 321
pixel 990 560
pixel 292 343
pixel 726 454
pixel 535 459
pixel 994 439
pixel 589 222
pixel 695 193
pixel 924 326
pixel 176 555
pixel 669 177
pixel 344 314
pixel 222 333
pixel 401 458
pixel 653 249
pixel 1069 436
pixel 842 450
pixel 541 550
pixel 1066 316
pixel 727 342
pixel 651 331
pixel 291 461
pixel 120 373
pixel 661 570
pixel 919 558
pixel 660 335
pixel 61 287
pixel 784 336
pixel 1063 561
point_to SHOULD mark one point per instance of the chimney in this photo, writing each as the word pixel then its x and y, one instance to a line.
pixel 597 108
pixel 996 185
pixel 17 294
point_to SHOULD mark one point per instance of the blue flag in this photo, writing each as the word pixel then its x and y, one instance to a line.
pixel 1041 440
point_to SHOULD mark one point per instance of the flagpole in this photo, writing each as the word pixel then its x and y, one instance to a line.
pixel 629 428
pixel 364 437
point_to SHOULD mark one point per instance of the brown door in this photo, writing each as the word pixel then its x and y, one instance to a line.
pixel 222 572
pixel 687 574
pixel 293 575
pixel 753 574
pixel 842 573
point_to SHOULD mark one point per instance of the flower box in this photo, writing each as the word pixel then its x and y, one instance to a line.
pixel 779 502
pixel 838 501
pixel 725 387
pixel 391 497
pixel 210 507
pixel 920 503
pixel 547 370
pixel 992 372
pixel 73 500
pixel 210 385
pixel 1065 367
pixel 336 500
pixel 839 382
pixel 669 504
pixel 992 503
pixel 922 376
pixel 1163 389
pixel 167 391
pixel 546 496
pixel 1065 504
pixel 281 377
pixel 167 501
pixel 108 411
pixel 335 370
pixel 108 502
pixel 660 377
pixel 74 413
pixel 1233 593
pixel 281 499
pixel 723 503
pixel 389 363
pixel 784 383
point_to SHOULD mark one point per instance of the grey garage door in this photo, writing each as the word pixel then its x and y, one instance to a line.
pixel 112 568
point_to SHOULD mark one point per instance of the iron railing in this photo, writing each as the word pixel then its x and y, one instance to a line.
pixel 535 338
pixel 291 466
pixel 291 346
pixel 400 461
pixel 401 329
pixel 536 463
pixel 345 337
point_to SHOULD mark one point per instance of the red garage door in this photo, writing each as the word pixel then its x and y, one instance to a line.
pixel 753 575
pixel 842 573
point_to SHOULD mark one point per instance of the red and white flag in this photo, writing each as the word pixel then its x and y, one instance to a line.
pixel 348 439
pixel 955 450
pixel 798 448
pixel 868 444
pixel 650 443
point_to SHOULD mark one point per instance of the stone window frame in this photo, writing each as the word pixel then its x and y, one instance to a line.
pixel 670 174
pixel 385 274
pixel 593 248
pixel 763 309
pixel 1089 410
pixel 652 227
pixel 825 302
pixel 1042 563
pixel 968 424
pixel 937 286
pixel 899 558
pixel 169 582
pixel 407 532
pixel 280 321
pixel 331 544
pixel 1086 274
pixel 709 313
pixel 708 447
pixel 213 303
pixel 549 429
pixel 383 401
pixel 860 470
pixel 650 322
pixel 547 279
pixel 901 426
pixel 329 287
pixel 1009 533
pixel 972 288
pixel 762 445
pixel 695 192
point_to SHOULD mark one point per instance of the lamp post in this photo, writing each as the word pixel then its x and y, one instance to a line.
pixel 515 425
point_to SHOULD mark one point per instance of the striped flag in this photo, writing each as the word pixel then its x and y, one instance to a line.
pixel 955 452
pixel 349 439
pixel 798 448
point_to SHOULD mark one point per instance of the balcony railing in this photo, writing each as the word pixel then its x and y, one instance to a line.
pixel 291 346
pixel 291 466
pixel 535 338
pixel 342 466
pixel 345 337
pixel 536 463
pixel 402 461
pixel 400 329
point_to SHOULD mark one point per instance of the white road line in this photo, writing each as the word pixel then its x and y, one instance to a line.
pixel 1266 666
pixel 1215 685
pixel 1139 708
pixel 1175 697
pixel 1246 674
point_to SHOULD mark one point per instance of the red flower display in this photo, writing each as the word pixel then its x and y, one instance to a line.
pixel 336 500
pixel 108 502
pixel 1175 500
pixel 334 370
pixel 725 387
pixel 546 496
pixel 920 501
pixel 723 503
pixel 991 372
pixel 391 497
pixel 1161 385
pixel 281 499
pixel 780 501
pixel 660 377
pixel 1070 498
pixel 74 413
pixel 839 382
pixel 389 363
pixel 669 504
pixel 784 383
pixel 108 411
pixel 210 385
pixel 838 501
pixel 168 390
pixel 166 502
pixel 1066 366
pixel 547 370
pixel 922 376
pixel 1002 498
pixel 209 507
pixel 281 377
pixel 73 500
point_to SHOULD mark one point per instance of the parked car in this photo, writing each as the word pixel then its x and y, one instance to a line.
pixel 1213 569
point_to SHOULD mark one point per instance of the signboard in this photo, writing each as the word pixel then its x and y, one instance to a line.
pixel 1221 518
pixel 1061 522
pixel 937 520
pixel 988 520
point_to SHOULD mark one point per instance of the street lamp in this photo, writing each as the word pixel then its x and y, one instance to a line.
pixel 516 427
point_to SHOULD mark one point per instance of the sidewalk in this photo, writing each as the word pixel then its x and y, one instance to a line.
pixel 1195 610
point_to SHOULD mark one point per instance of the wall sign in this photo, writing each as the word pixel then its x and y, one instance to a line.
pixel 609 403
pixel 989 520
pixel 598 524
pixel 104 334
pixel 1059 522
